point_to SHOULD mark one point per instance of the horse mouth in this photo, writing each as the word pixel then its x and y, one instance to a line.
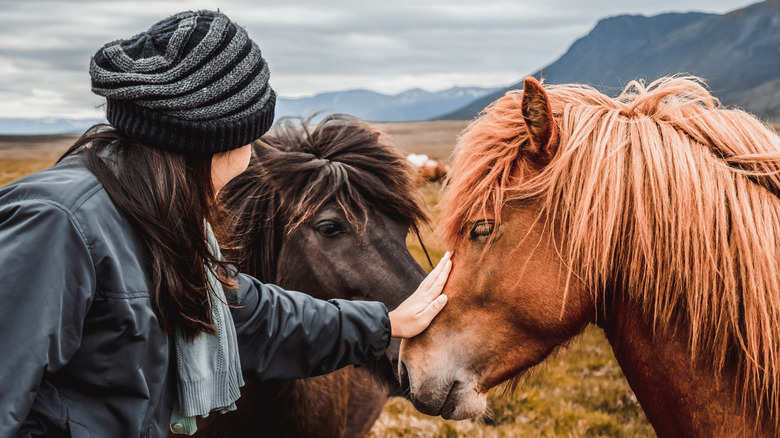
pixel 450 404
pixel 429 405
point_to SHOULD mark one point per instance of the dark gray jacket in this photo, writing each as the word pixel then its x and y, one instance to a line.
pixel 82 353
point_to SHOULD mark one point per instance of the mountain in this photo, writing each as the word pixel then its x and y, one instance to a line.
pixel 409 105
pixel 737 53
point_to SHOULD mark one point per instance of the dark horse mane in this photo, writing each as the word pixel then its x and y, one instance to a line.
pixel 297 168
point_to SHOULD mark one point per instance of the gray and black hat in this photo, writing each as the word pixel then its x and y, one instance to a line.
pixel 193 83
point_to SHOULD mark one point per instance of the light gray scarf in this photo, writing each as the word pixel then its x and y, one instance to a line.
pixel 209 369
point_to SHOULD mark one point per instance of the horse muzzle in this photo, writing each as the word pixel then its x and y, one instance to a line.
pixel 452 398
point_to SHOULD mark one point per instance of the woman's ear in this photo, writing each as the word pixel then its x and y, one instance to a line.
pixel 228 165
pixel 538 117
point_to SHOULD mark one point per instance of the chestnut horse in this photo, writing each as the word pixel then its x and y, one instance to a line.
pixel 323 210
pixel 655 215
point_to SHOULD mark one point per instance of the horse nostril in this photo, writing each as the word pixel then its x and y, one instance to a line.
pixel 403 377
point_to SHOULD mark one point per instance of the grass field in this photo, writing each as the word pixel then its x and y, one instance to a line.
pixel 579 392
pixel 22 155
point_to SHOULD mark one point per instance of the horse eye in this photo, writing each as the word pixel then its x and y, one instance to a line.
pixel 329 228
pixel 482 229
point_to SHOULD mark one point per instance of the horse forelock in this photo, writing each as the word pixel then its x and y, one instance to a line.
pixel 341 160
pixel 298 168
pixel 661 193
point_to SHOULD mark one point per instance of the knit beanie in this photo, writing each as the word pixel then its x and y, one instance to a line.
pixel 194 84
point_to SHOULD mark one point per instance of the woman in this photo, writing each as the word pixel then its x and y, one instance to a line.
pixel 115 317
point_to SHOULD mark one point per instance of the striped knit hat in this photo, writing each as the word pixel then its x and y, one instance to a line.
pixel 193 84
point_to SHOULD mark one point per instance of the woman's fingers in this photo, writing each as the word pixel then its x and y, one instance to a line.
pixel 439 279
pixel 433 275
pixel 414 315
pixel 431 310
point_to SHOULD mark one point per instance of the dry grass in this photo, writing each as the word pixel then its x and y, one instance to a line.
pixel 435 139
pixel 12 169
pixel 580 392
pixel 23 155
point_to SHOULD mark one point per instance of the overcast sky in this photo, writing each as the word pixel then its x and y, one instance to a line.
pixel 311 46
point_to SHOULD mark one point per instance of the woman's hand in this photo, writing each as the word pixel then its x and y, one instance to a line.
pixel 416 312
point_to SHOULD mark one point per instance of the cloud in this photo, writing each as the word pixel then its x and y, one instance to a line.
pixel 311 46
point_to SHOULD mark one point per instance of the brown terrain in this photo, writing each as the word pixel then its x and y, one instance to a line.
pixel 21 155
pixel 435 139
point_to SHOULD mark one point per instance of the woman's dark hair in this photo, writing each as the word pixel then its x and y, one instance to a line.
pixel 169 198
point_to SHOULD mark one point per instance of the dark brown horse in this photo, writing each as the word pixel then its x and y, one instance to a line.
pixel 323 210
pixel 655 215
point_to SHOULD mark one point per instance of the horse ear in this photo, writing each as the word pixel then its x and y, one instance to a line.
pixel 538 117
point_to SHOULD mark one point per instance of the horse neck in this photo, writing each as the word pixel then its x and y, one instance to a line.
pixel 679 397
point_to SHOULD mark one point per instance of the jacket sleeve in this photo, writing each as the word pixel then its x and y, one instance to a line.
pixel 290 335
pixel 46 283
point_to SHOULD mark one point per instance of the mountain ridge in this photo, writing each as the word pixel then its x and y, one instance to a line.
pixel 408 105
pixel 736 53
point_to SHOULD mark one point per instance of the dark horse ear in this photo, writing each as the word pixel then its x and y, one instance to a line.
pixel 538 117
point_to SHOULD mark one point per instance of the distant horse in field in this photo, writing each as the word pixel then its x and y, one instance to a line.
pixel 655 215
pixel 324 210
pixel 429 169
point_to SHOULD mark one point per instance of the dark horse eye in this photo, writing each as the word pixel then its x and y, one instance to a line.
pixel 329 228
pixel 482 229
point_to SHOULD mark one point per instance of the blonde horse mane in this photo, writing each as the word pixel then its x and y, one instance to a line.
pixel 661 194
